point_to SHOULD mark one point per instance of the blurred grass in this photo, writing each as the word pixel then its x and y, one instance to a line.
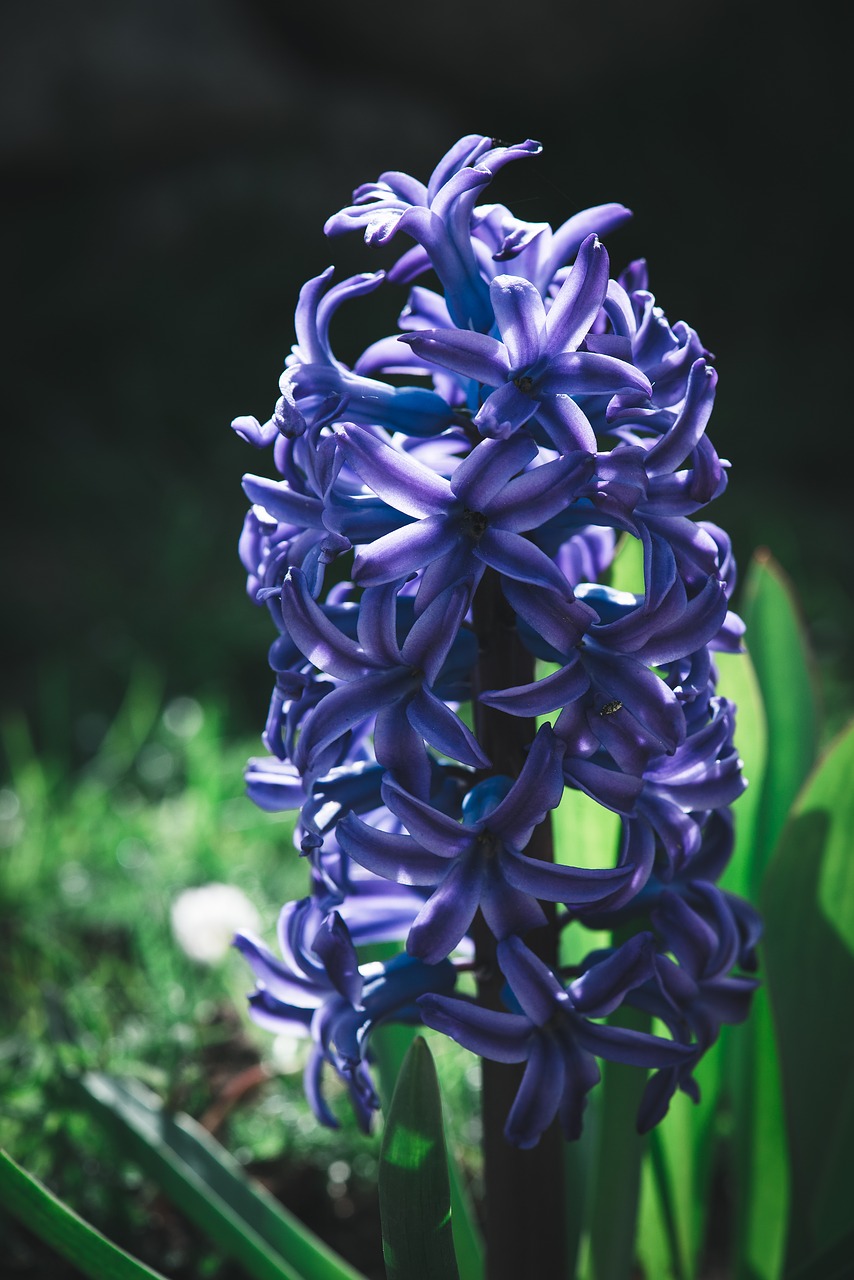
pixel 94 979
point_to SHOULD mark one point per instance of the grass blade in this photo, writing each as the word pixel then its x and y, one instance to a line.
pixel 70 1235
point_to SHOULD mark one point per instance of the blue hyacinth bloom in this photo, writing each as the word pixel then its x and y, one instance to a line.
pixel 459 492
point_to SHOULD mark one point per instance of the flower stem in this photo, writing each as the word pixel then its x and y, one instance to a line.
pixel 525 1234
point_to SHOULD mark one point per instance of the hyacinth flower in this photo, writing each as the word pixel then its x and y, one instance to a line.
pixel 552 1032
pixel 318 987
pixel 479 863
pixel 536 367
pixel 434 549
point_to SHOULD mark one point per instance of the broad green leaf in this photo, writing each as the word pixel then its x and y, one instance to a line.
pixel 61 1228
pixel 808 905
pixel 415 1196
pixel 770 684
pixel 205 1181
pixel 780 650
pixel 389 1045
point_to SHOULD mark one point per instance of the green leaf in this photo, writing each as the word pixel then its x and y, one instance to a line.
pixel 657 1247
pixel 611 1245
pixel 683 1150
pixel 389 1045
pixel 585 834
pixel 626 572
pixel 778 644
pixel 760 1158
pixel 205 1181
pixel 61 1228
pixel 777 731
pixel 738 681
pixel 808 904
pixel 415 1197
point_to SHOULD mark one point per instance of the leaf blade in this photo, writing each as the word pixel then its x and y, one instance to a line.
pixel 810 960
pixel 415 1197
pixel 207 1183
pixel 59 1226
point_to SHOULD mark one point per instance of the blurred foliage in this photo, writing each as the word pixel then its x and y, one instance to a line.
pixel 95 980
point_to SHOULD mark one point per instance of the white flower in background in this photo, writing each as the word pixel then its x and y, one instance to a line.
pixel 205 919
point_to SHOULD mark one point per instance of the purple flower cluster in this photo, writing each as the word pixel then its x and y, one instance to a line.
pixel 532 413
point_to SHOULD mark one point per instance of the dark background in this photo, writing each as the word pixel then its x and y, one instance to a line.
pixel 166 168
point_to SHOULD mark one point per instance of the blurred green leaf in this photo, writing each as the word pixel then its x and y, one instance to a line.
pixel 58 1226
pixel 683 1154
pixel 809 914
pixel 620 1150
pixel 759 1158
pixel 626 572
pixel 777 641
pixel 657 1245
pixel 415 1197
pixel 738 681
pixel 778 730
pixel 209 1186
pixel 585 835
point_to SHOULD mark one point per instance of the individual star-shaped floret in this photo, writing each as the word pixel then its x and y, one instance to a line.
pixel 537 367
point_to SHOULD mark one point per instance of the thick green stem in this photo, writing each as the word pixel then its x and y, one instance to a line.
pixel 525 1233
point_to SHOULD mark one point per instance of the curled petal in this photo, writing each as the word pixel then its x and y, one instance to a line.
pixel 635 1048
pixel 538 698
pixel 447 915
pixel 505 410
pixel 586 373
pixel 517 557
pixel 395 857
pixel 392 474
pixel 502 1037
pixel 575 887
pixel 284 503
pixel 603 987
pixel 334 946
pixel 532 982
pixel 442 835
pixel 489 467
pixel 403 551
pixel 315 636
pixel 538 1098
pixel 579 299
pixel 521 317
pixel 474 355
pixel 439 726
pixel 537 790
